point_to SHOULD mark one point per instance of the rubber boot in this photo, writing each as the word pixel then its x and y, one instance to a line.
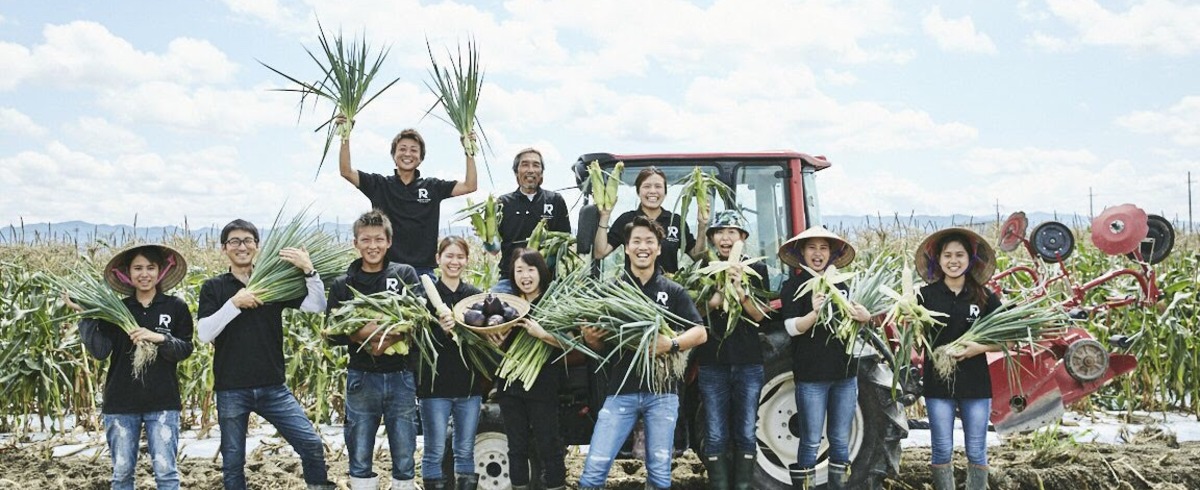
pixel 403 484
pixel 743 471
pixel 718 471
pixel 802 478
pixel 839 476
pixel 465 481
pixel 357 483
pixel 438 484
pixel 977 477
pixel 943 476
pixel 328 485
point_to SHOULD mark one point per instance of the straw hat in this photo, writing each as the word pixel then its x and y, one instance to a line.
pixel 171 274
pixel 792 251
pixel 983 257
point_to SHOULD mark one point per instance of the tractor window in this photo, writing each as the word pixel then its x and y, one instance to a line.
pixel 760 194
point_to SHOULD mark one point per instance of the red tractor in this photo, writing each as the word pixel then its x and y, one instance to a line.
pixel 778 194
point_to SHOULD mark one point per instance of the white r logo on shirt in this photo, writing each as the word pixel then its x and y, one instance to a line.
pixel 662 297
pixel 422 193
pixel 673 233
pixel 393 284
pixel 164 321
pixel 548 209
pixel 974 313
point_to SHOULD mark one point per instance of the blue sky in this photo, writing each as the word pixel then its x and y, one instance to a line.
pixel 160 109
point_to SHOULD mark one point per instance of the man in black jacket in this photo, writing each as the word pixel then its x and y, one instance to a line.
pixel 522 209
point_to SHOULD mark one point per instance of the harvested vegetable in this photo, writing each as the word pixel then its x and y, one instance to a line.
pixel 1022 324
pixel 274 279
pixel 404 313
pixel 605 184
pixel 485 219
pixel 731 303
pixel 102 303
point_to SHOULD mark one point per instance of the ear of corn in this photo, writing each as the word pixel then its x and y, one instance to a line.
pixel 826 284
pixel 346 75
pixel 605 185
pixel 485 220
pixel 700 187
pixel 722 281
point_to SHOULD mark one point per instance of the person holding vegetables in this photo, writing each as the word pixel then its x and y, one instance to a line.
pixel 627 401
pixel 956 263
pixel 413 203
pixel 248 367
pixel 532 411
pixel 137 397
pixel 826 375
pixel 457 390
pixel 651 185
pixel 731 363
pixel 379 385
pixel 522 209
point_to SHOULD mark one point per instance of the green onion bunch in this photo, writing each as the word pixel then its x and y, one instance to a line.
pixel 526 355
pixel 457 89
pixel 347 71
pixel 274 279
pixel 404 313
pixel 868 290
pixel 1025 323
pixel 100 302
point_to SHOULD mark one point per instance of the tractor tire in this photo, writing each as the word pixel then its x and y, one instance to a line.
pixel 778 430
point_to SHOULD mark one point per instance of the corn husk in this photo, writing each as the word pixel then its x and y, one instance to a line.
pixel 404 313
pixel 826 284
pixel 723 282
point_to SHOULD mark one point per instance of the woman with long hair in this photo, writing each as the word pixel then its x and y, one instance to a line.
pixel 651 185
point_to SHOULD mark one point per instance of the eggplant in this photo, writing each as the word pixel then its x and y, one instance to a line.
pixel 474 318
pixel 477 306
pixel 495 320
pixel 492 306
pixel 510 313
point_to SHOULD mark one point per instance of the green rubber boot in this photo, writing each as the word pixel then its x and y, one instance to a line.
pixel 718 471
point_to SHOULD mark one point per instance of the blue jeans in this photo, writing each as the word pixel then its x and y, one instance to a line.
pixel 124 430
pixel 370 397
pixel 974 413
pixel 813 400
pixel 435 417
pixel 616 419
pixel 505 286
pixel 730 395
pixel 278 406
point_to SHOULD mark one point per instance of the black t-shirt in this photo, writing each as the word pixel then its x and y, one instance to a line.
pixel 672 229
pixel 455 378
pixel 158 387
pixel 666 294
pixel 818 354
pixel 248 353
pixel 414 210
pixel 971 379
pixel 548 381
pixel 743 345
pixel 520 215
pixel 392 278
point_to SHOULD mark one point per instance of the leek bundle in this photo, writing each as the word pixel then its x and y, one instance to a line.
pixel 1026 323
pixel 485 219
pixel 868 290
pixel 605 184
pixel 100 302
pixel 403 313
pixel 457 90
pixel 345 78
pixel 731 303
pixel 274 279
pixel 526 355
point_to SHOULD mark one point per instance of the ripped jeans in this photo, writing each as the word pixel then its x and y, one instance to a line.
pixel 620 412
pixel 124 431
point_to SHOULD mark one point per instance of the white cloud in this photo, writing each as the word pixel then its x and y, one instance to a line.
pixel 208 109
pixel 17 63
pixel 839 78
pixel 17 123
pixel 956 35
pixel 1165 26
pixel 1181 122
pixel 99 135
pixel 1050 43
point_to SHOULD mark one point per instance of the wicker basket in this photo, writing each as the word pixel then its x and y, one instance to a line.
pixel 514 301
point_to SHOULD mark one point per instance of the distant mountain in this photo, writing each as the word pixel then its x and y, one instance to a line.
pixel 927 221
pixel 81 232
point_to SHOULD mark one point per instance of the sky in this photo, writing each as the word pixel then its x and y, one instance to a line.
pixel 161 111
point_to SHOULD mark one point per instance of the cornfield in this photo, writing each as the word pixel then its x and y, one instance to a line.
pixel 47 379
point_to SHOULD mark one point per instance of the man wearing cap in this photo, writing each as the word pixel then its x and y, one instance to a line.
pixel 956 263
pixel 522 209
pixel 629 400
pixel 825 374
pixel 378 385
pixel 412 203
pixel 141 388
pixel 248 366
pixel 731 362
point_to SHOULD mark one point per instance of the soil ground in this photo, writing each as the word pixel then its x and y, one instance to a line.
pixel 1144 464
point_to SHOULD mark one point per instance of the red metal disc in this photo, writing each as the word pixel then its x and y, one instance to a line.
pixel 1120 229
pixel 1012 231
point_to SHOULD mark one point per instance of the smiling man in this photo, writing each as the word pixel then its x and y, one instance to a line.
pixel 412 203
pixel 378 385
pixel 248 367
pixel 627 401
pixel 522 209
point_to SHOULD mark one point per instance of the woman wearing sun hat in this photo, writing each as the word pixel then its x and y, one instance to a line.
pixel 826 376
pixel 143 273
pixel 956 263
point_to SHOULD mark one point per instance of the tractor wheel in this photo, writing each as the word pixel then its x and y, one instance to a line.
pixel 1086 360
pixel 491 455
pixel 779 431
pixel 1159 240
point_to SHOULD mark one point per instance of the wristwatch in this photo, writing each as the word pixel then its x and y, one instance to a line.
pixel 675 346
pixel 312 273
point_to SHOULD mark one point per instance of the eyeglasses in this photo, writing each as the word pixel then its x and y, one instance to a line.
pixel 237 242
